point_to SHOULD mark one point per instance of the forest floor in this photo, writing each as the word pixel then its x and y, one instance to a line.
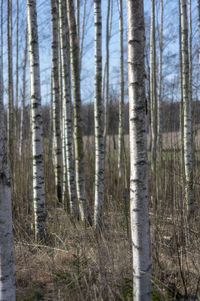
pixel 74 264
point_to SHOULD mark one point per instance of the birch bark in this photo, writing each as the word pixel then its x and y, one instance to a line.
pixel 98 119
pixel 78 139
pixel 138 153
pixel 121 103
pixel 188 162
pixel 57 143
pixel 153 98
pixel 36 122
pixel 67 108
pixel 7 265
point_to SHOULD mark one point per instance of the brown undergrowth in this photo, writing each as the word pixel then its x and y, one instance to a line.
pixel 75 264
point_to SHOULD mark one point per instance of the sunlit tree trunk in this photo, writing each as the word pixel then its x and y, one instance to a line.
pixel 78 138
pixel 159 139
pixel 57 143
pixel 67 108
pixel 187 113
pixel 7 265
pixel 36 117
pixel 138 153
pixel 181 94
pixel 121 103
pixel 98 119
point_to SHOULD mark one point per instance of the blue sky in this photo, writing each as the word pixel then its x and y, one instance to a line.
pixel 87 86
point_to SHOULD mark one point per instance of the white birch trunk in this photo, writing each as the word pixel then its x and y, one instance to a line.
pixel 67 108
pixel 121 103
pixel 181 95
pixel 7 265
pixel 36 117
pixel 138 153
pixel 57 143
pixel 98 119
pixel 159 140
pixel 153 98
pixel 188 160
pixel 78 139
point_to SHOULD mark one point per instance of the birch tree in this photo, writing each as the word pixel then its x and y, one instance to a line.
pixel 181 94
pixel 57 143
pixel 159 140
pixel 78 139
pixel 188 162
pixel 7 265
pixel 67 107
pixel 36 122
pixel 121 103
pixel 140 231
pixel 98 118
pixel 153 98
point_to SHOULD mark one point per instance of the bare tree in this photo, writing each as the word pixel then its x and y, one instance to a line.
pixel 159 111
pixel 67 107
pixel 98 118
pixel 57 143
pixel 121 103
pixel 78 138
pixel 140 231
pixel 7 265
pixel 10 83
pixel 36 122
pixel 188 161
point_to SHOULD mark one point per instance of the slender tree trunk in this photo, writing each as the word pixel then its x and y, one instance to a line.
pixel 78 19
pixel 159 140
pixel 198 6
pixel 67 108
pixel 188 160
pixel 82 35
pixel 138 153
pixel 98 119
pixel 17 85
pixel 7 265
pixel 78 139
pixel 36 116
pixel 153 97
pixel 10 85
pixel 57 143
pixel 107 75
pixel 23 94
pixel 181 95
pixel 121 103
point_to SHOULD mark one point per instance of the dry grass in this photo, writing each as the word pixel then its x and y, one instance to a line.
pixel 75 264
